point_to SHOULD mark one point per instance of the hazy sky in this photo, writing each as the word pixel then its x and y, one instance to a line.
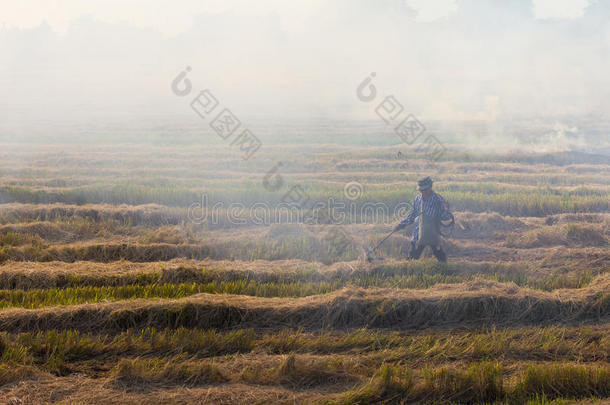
pixel 74 61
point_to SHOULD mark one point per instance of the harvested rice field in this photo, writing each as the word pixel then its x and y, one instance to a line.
pixel 173 275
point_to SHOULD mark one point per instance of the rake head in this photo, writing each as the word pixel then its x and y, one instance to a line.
pixel 371 254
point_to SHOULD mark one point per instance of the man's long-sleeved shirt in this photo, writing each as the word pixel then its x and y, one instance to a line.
pixel 434 206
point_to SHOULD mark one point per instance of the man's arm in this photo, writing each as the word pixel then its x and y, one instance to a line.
pixel 411 217
pixel 444 208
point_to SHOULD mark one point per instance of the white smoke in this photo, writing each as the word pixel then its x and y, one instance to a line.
pixel 493 62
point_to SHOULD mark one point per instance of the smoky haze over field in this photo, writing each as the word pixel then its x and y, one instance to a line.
pixel 473 71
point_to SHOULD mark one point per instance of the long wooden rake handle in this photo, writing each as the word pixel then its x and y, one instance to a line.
pixel 384 239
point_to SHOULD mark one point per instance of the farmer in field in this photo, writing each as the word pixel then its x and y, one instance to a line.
pixel 429 209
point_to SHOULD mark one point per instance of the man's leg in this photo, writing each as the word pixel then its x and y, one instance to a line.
pixel 415 251
pixel 439 253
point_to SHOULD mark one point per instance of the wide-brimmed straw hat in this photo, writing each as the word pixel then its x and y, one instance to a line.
pixel 424 184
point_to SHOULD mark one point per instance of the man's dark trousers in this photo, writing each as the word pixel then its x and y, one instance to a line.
pixel 438 252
